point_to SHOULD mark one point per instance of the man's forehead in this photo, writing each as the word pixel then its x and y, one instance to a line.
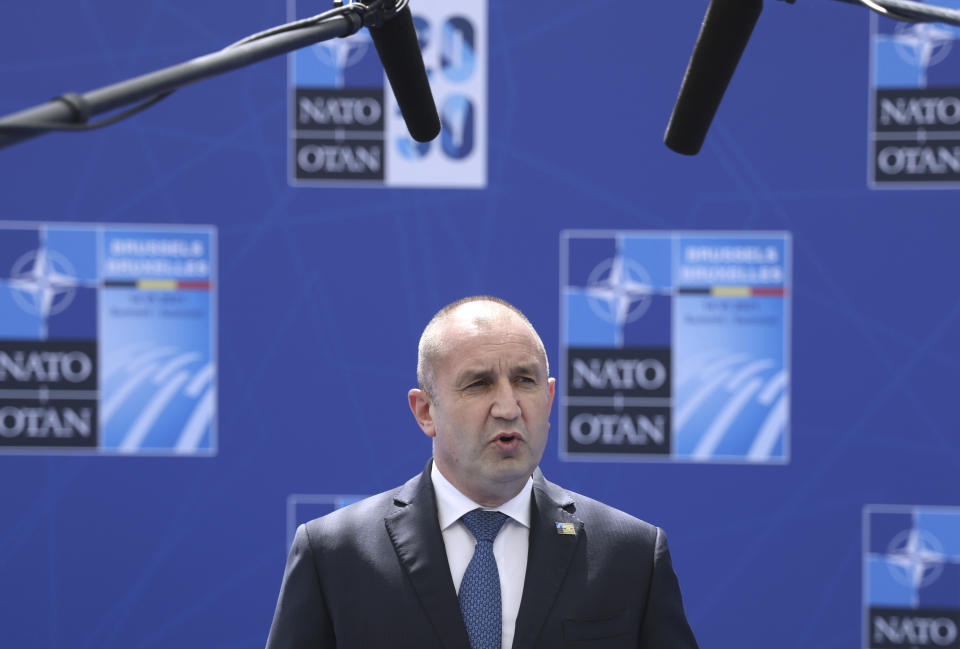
pixel 475 340
pixel 477 327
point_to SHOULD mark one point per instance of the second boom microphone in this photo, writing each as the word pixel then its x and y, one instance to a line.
pixel 723 37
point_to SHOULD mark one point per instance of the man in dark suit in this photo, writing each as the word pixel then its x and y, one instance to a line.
pixel 557 569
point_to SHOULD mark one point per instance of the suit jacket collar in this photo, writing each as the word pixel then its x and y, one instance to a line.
pixel 416 537
pixel 549 557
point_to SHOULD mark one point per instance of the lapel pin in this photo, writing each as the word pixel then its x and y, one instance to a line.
pixel 566 528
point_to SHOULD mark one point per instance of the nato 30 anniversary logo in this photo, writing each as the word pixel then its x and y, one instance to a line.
pixel 911 565
pixel 675 346
pixel 915 115
pixel 345 127
pixel 106 339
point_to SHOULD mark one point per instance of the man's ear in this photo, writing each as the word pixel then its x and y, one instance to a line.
pixel 420 405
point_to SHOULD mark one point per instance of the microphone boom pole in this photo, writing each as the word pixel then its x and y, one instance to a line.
pixel 71 111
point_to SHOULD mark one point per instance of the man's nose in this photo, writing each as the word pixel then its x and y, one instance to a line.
pixel 505 404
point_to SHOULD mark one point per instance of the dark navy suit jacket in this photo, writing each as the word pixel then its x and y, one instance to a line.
pixel 375 575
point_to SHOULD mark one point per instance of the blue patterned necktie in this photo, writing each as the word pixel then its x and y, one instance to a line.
pixel 480 588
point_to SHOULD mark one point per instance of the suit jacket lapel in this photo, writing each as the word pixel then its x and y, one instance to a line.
pixel 416 537
pixel 548 559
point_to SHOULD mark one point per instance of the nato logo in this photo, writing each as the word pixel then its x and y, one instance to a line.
pixel 916 103
pixel 674 346
pixel 616 390
pixel 911 577
pixel 338 110
pixel 48 347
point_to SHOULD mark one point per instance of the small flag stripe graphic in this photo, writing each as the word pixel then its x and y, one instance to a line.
pixel 734 291
pixel 159 284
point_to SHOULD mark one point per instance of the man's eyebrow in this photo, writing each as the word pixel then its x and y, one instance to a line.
pixel 531 368
pixel 473 373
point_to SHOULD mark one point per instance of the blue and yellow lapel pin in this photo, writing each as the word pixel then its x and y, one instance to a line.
pixel 566 528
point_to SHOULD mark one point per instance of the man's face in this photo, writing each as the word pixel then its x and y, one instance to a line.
pixel 491 408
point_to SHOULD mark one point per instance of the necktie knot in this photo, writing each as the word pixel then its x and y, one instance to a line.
pixel 484 525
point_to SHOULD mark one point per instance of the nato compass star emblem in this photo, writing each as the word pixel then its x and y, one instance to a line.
pixel 44 282
pixel 923 44
pixel 915 558
pixel 341 53
pixel 619 290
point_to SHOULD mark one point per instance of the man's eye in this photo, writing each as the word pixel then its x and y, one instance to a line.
pixel 526 379
pixel 476 384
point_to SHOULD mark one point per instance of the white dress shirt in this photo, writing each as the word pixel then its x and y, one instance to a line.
pixel 509 548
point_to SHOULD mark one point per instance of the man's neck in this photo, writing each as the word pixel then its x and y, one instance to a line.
pixel 485 499
pixel 453 503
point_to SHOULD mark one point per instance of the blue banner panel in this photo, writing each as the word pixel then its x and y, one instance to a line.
pixel 676 346
pixel 107 339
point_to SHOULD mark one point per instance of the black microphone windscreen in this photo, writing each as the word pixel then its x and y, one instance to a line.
pixel 399 52
pixel 723 37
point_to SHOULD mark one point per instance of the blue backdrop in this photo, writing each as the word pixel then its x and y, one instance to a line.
pixel 323 293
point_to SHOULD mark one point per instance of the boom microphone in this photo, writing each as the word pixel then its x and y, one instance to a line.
pixel 723 37
pixel 399 52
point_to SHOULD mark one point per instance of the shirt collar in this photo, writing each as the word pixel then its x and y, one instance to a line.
pixel 452 504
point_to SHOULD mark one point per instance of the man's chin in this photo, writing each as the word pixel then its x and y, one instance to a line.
pixel 512 469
